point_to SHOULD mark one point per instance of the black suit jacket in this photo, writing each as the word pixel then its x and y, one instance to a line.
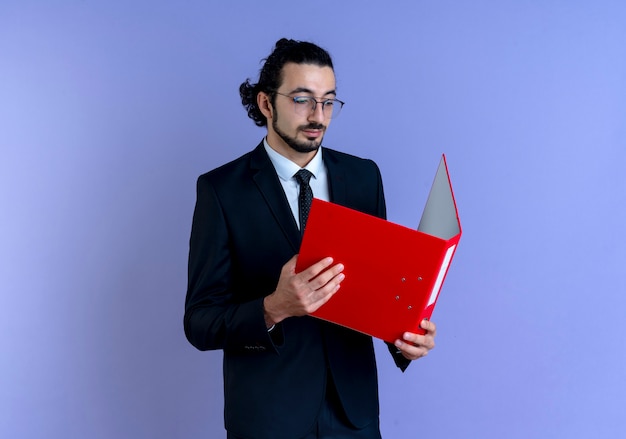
pixel 243 232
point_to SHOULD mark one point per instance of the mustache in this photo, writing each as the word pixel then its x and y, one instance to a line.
pixel 313 126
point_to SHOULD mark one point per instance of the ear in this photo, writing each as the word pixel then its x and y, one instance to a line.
pixel 265 105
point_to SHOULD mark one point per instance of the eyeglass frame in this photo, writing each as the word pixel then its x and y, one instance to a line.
pixel 315 102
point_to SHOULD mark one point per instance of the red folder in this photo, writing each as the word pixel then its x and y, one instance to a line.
pixel 393 273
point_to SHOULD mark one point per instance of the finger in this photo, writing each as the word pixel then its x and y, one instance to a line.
pixel 326 276
pixel 429 327
pixel 315 269
pixel 411 351
pixel 326 283
pixel 323 295
pixel 426 341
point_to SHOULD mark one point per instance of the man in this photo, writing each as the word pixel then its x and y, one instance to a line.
pixel 286 374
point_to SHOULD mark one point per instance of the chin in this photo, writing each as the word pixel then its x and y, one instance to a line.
pixel 305 148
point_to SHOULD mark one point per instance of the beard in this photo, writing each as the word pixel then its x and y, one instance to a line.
pixel 298 145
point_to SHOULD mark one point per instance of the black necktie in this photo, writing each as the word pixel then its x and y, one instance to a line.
pixel 306 196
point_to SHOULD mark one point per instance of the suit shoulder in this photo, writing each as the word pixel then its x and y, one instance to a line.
pixel 350 162
pixel 333 154
pixel 227 169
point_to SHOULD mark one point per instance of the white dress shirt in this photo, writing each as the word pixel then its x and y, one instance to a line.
pixel 286 169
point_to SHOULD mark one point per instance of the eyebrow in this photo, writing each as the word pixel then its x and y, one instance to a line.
pixel 309 91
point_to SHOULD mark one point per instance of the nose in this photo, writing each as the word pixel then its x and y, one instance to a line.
pixel 317 114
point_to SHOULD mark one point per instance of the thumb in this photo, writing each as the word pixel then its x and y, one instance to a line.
pixel 290 265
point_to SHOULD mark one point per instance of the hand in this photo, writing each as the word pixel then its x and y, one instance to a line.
pixel 302 293
pixel 414 346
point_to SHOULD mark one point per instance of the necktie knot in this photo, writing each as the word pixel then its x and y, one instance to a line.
pixel 303 176
pixel 305 198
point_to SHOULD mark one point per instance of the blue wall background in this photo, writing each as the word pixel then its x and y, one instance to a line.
pixel 110 110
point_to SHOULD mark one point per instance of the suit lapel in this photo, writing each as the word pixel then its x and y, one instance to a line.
pixel 266 179
pixel 337 185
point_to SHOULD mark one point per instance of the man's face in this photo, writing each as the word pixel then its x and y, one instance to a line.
pixel 290 131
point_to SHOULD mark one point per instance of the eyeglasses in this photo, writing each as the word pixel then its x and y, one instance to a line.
pixel 305 105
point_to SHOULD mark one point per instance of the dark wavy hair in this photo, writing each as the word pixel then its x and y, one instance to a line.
pixel 270 76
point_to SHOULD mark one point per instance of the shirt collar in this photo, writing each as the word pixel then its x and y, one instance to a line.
pixel 286 169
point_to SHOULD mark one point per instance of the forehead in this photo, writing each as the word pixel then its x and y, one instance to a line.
pixel 298 77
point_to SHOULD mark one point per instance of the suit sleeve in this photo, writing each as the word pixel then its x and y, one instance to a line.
pixel 213 318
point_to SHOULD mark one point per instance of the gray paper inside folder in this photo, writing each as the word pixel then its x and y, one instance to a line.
pixel 439 218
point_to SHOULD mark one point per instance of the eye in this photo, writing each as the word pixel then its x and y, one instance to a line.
pixel 301 100
pixel 329 103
